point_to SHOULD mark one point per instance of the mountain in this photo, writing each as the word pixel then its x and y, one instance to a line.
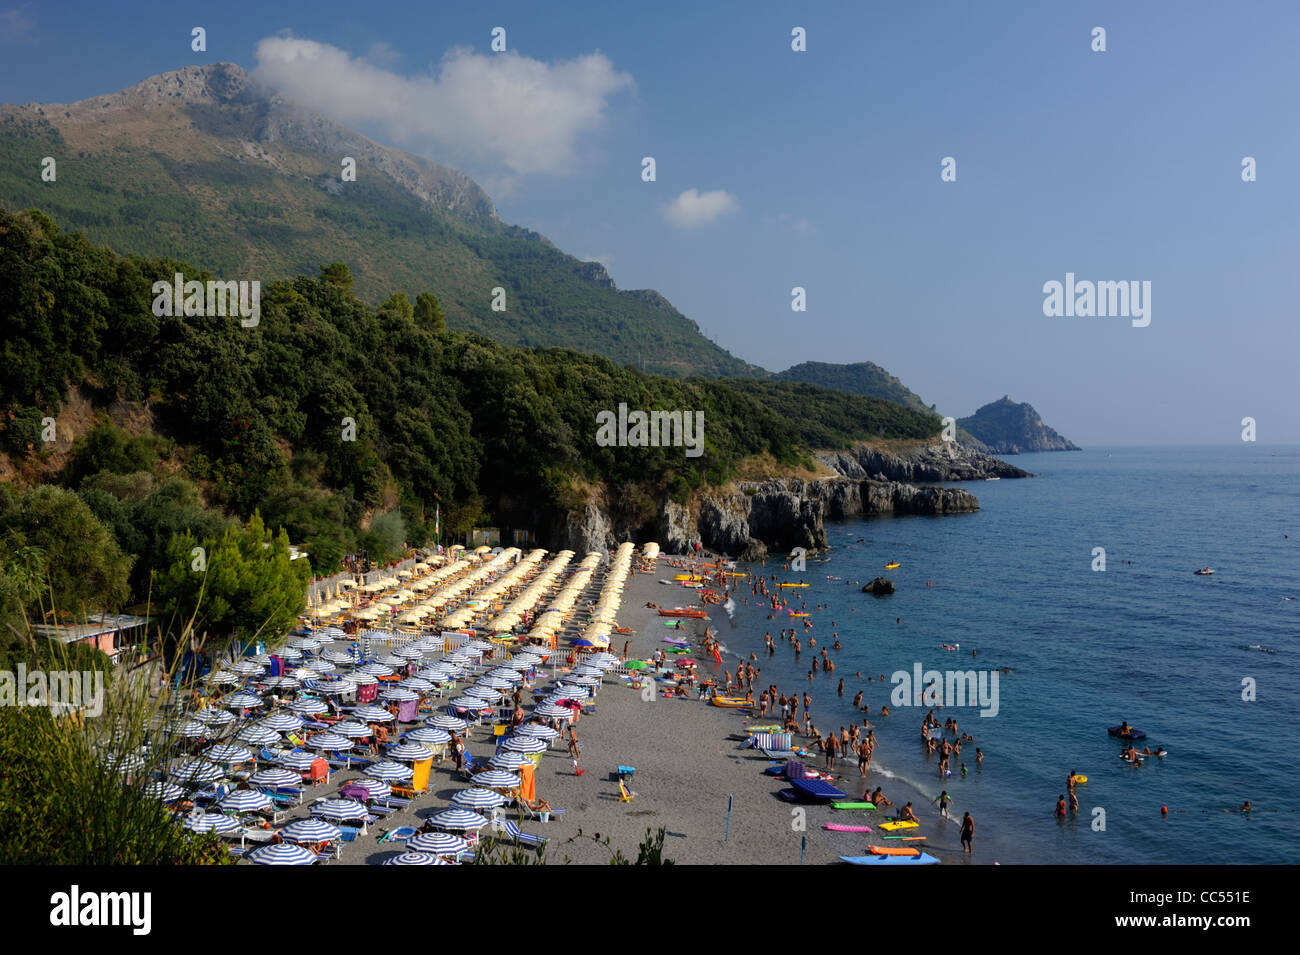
pixel 860 378
pixel 204 164
pixel 1006 427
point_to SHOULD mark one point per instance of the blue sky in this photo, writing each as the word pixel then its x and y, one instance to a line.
pixel 1122 165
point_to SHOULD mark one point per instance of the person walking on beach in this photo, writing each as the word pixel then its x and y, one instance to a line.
pixel 829 744
pixel 967 832
pixel 864 757
pixel 575 752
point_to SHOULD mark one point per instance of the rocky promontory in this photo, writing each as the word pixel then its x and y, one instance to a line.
pixel 1007 427
pixel 941 461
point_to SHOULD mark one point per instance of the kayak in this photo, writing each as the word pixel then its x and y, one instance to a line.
pixel 893 565
pixel 684 612
pixel 923 859
pixel 687 577
pixel 731 701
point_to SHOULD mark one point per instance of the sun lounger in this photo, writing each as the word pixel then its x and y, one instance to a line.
pixel 523 838
pixel 625 794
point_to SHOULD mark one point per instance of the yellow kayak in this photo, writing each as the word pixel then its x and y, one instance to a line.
pixel 687 577
pixel 893 565
pixel 794 585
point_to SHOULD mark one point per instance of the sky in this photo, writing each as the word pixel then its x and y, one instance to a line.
pixel 821 169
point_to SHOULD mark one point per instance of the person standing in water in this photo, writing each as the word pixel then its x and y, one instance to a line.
pixel 967 833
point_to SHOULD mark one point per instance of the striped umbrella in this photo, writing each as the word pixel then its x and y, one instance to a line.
pixel 539 730
pixel 389 770
pixel 245 667
pixel 375 669
pixel 245 800
pixel 352 729
pixel 372 714
pixel 429 736
pixel 398 695
pixel 322 665
pixel 434 674
pixel 297 760
pixel 306 674
pixel 339 809
pixel 185 728
pixel 361 679
pixel 417 684
pixel 257 735
pixel 391 660
pixel 445 721
pixel 525 744
pixel 330 741
pixel 477 798
pixel 310 831
pixel 471 703
pixel 483 692
pixel 436 843
pixel 216 822
pixel 456 819
pixel 552 712
pixel 508 760
pixel 523 662
pixel 567 691
pixel 198 771
pixel 582 680
pixel 305 643
pixel 286 653
pixel 333 687
pixel 458 659
pixel 282 722
pixel 283 682
pixel 410 652
pixel 214 717
pixel 410 751
pixel 282 853
pixel 123 762
pixel 241 701
pixel 221 678
pixel 336 656
pixel 227 753
pixel 415 858
pixel 588 670
pixel 505 673
pixel 308 707
pixel 494 683
pixel 496 779
pixel 164 791
pixel 377 788
pixel 454 671
pixel 274 778
pixel 334 633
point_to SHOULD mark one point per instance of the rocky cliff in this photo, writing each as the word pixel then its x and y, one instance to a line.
pixel 943 461
pixel 1005 427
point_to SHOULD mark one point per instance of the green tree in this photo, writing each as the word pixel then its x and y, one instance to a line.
pixel 336 274
pixel 429 314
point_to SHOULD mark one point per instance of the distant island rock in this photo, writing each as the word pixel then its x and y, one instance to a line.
pixel 1008 427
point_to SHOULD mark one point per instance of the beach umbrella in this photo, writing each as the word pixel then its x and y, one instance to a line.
pixel 330 741
pixel 185 727
pixel 409 751
pixel 337 656
pixel 587 669
pixel 457 659
pixel 333 687
pixel 286 653
pixel 362 679
pixel 508 760
pixel 434 674
pixel 214 717
pixel 446 721
pixel 306 674
pixel 540 730
pixel 389 771
pixel 477 798
pixel 398 695
pixel 308 706
pixel 524 744
pixel 297 760
pixel 274 778
pixel 282 853
pixel 310 831
pixel 471 703
pixel 416 684
pixel 123 762
pixel 552 712
pixel 372 714
pixel 410 652
pixel 198 771
pixel 219 823
pixel 257 735
pixel 518 663
pixel 227 753
pixel 429 736
pixel 483 692
pixel 377 788
pixel 456 819
pixel 635 664
pixel 582 680
pixel 415 858
pixel 494 683
pixel 222 678
pixel 352 729
pixel 245 800
pixel 496 779
pixel 282 722
pixel 436 843
pixel 340 809
pixel 323 665
pixel 245 667
pixel 280 682
pixel 504 673
pixel 587 642
pixel 242 701
pixel 164 791
pixel 305 643
pixel 391 660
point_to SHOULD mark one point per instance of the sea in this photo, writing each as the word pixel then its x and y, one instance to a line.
pixel 1207 666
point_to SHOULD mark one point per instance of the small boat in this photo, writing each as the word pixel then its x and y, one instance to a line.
pixel 794 585
pixel 891 566
pixel 687 577
pixel 993 479
pixel 684 612
pixel 1204 572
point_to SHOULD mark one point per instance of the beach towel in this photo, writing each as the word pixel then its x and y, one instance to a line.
pixel 528 783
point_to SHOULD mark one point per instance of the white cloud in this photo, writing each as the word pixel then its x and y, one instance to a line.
pixel 504 108
pixel 694 208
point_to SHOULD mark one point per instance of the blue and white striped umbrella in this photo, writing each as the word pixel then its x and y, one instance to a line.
pixel 377 788
pixel 242 701
pixel 185 727
pixel 429 736
pixel 494 683
pixel 257 735
pixel 436 843
pixel 333 687
pixel 310 831
pixel 123 762
pixel 305 643
pixel 330 741
pixel 278 682
pixel 496 779
pixel 227 753
pixel 409 751
pixel 391 660
pixel 588 670
pixel 399 695
pixel 552 712
pixel 245 800
pixel 288 653
pixel 322 665
pixel 282 853
pixel 536 729
pixel 334 633
pixel 215 718
pixel 581 680
pixel 274 778
pixel 434 674
pixel 482 646
pixel 453 670
pixel 337 656
pixel 410 652
pixel 522 662
pixel 308 706
pixel 567 691
pixel 282 722
pixel 306 674
pixel 457 819
pixel 377 634
pixel 445 721
pixel 219 823
pixel 505 673
pixel 340 809
pixel 298 761
pixel 166 792
pixel 362 679
pixel 508 760
pixel 390 771
pixel 529 657
pixel 415 858
pixel 477 798
pixel 416 684
pixel 483 692
pixel 198 771
pixel 471 703
pixel 458 659
pixel 352 729
pixel 244 667
pixel 525 744
pixel 372 714
pixel 222 678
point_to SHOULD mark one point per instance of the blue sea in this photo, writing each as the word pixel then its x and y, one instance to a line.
pixel 1144 640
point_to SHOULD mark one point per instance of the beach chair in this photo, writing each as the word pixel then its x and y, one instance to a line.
pixel 400 834
pixel 625 794
pixel 523 838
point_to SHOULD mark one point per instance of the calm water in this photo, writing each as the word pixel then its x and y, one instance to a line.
pixel 1146 641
